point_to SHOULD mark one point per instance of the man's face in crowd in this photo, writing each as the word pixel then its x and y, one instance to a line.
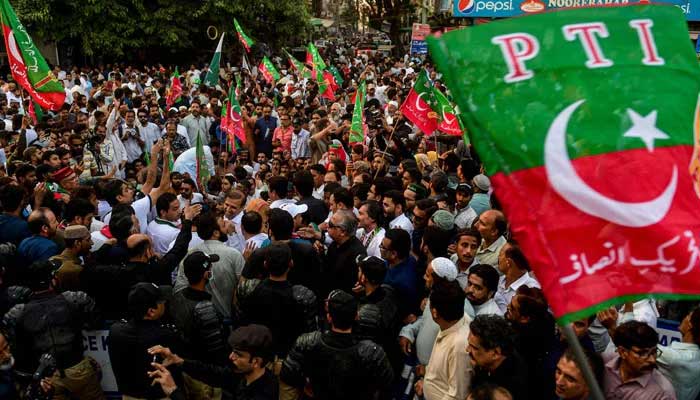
pixel 53 223
pixel 85 243
pixel 195 109
pixel 486 225
pixel 513 311
pixel 476 290
pixel 130 118
pixel 364 219
pixel 406 179
pixel 82 119
pixel 410 196
pixel 466 249
pixel 478 355
pixel 330 177
pixel 286 121
pixel 171 130
pixel 64 115
pixel 281 111
pixel 335 229
pixel 386 250
pixel 155 114
pixel 462 198
pixel 76 146
pixel 173 213
pixel 127 195
pixel 54 161
pixel 638 360
pixel 318 178
pixel 232 207
pixel 143 118
pixel 186 190
pixel 420 218
pixel 242 362
pixel 390 209
pixel 378 163
pixel 503 261
pixel 258 110
pixel 569 380
pixel 315 118
pixel 267 111
pixel 262 158
pixel 176 181
pixel 372 194
pixel 29 179
pixel 65 160
pixel 335 109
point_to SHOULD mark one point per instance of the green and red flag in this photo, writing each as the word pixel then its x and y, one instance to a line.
pixel 313 55
pixel 29 69
pixel 588 121
pixel 175 89
pixel 239 87
pixel 35 112
pixel 246 41
pixel 234 118
pixel 449 123
pixel 268 70
pixel 417 106
pixel 298 66
pixel 357 132
pixel 336 74
pixel 212 78
pixel 325 84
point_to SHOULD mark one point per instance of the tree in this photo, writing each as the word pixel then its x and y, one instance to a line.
pixel 117 27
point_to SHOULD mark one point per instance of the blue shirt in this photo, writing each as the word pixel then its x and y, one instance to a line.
pixel 480 202
pixel 263 134
pixel 13 229
pixel 36 248
pixel 403 278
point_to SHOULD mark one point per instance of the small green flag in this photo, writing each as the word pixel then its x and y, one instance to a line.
pixel 357 134
pixel 316 58
pixel 212 78
pixel 336 74
pixel 246 41
pixel 298 66
pixel 268 70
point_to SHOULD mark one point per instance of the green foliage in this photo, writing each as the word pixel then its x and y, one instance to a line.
pixel 117 27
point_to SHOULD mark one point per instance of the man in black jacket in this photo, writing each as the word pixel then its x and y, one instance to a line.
pixel 111 284
pixel 52 322
pixel 336 364
pixel 246 379
pixel 194 314
pixel 341 265
pixel 304 185
pixel 130 340
pixel 288 311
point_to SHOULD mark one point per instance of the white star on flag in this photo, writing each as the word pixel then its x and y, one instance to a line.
pixel 645 129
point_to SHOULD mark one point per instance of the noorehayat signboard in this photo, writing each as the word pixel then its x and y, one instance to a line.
pixel 511 8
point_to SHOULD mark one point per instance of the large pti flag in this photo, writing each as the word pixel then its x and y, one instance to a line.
pixel 28 67
pixel 246 41
pixel 268 70
pixel 233 117
pixel 588 121
pixel 316 58
pixel 212 78
pixel 417 106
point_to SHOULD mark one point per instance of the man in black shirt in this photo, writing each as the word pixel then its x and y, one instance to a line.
pixel 287 310
pixel 341 264
pixel 304 185
pixel 491 347
pixel 130 340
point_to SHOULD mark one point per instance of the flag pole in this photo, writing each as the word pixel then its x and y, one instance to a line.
pixel 582 361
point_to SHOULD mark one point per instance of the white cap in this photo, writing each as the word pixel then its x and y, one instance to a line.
pixel 294 209
pixel 444 268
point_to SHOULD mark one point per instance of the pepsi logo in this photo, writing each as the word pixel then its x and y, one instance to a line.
pixel 466 6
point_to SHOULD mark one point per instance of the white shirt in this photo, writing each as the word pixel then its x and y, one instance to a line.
pixel 372 245
pixel 488 308
pixel 103 208
pixel 402 222
pixel 465 218
pixel 236 239
pixel 448 373
pixel 300 144
pixel 196 240
pixel 257 240
pixel 196 198
pixel 197 125
pixel 505 294
pixel 133 150
pixel 318 193
pixel 162 233
pixel 142 208
pixel 150 134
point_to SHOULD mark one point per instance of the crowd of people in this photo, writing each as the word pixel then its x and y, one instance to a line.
pixel 302 268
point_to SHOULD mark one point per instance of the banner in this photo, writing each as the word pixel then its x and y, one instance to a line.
pixel 512 8
pixel 418 34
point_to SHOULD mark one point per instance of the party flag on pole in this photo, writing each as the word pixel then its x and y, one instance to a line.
pixel 245 40
pixel 268 70
pixel 212 78
pixel 356 129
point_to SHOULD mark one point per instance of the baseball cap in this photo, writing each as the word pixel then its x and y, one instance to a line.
pixel 482 182
pixel 198 262
pixel 145 295
pixel 253 338
pixel 294 209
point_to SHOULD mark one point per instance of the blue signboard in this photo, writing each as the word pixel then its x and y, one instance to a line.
pixel 511 8
pixel 419 47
